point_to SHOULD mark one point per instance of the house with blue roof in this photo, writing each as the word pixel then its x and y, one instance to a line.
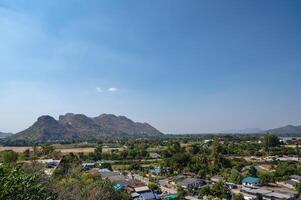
pixel 251 181
pixel 119 187
pixel 155 170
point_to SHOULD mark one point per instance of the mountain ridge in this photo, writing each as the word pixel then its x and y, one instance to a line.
pixel 3 134
pixel 288 129
pixel 70 127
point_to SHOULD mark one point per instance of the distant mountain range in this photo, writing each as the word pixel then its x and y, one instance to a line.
pixel 246 130
pixel 289 129
pixel 78 127
pixel 285 130
pixel 73 127
pixel 3 135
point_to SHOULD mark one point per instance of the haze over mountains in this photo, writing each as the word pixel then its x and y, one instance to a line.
pixel 289 129
pixel 3 135
pixel 76 127
pixel 71 127
pixel 246 130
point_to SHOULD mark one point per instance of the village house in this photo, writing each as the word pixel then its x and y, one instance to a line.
pixel 216 179
pixel 154 155
pixel 251 193
pixel 191 183
pixel 250 181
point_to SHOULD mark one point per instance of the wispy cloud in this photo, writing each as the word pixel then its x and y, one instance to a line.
pixel 112 89
pixel 98 89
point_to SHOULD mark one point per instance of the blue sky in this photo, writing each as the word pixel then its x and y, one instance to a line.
pixel 183 66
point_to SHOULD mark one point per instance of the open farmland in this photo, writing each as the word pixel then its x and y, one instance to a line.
pixel 63 150
pixel 16 149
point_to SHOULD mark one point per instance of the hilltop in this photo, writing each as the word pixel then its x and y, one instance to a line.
pixel 3 135
pixel 75 127
pixel 289 129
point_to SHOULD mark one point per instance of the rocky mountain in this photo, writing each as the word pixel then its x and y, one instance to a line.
pixel 289 129
pixel 71 127
pixel 3 135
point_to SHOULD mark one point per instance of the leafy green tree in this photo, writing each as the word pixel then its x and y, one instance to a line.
pixel 285 169
pixel 9 156
pixel 238 197
pixel 175 147
pixel 270 141
pixel 98 153
pixel 135 166
pixel 26 154
pixel 82 156
pixel 298 188
pixel 181 193
pixel 153 186
pixel 220 190
pixel 35 152
pixel 79 185
pixel 67 163
pixel 266 178
pixel 16 185
pixel 47 149
pixel 252 171
pixel 178 161
pixel 216 152
pixel 106 165
pixel 235 177
pixel 204 191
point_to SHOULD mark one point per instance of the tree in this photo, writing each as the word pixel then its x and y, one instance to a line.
pixel 47 149
pixel 106 165
pixel 216 151
pixel 181 193
pixel 35 151
pixel 26 154
pixel 175 147
pixel 266 178
pixel 298 188
pixel 238 196
pixel 178 161
pixel 154 187
pixel 98 153
pixel 205 191
pixel 270 141
pixel 220 190
pixel 9 156
pixel 79 185
pixel 135 166
pixel 16 185
pixel 251 171
pixel 67 163
pixel 235 177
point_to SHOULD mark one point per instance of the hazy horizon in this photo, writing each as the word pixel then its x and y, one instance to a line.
pixel 191 67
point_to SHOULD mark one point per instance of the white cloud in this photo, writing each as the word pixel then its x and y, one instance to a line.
pixel 98 89
pixel 112 89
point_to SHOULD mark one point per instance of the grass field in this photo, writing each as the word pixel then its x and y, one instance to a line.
pixel 63 150
pixel 16 149
pixel 66 149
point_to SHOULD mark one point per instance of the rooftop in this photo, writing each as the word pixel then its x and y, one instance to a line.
pixel 251 180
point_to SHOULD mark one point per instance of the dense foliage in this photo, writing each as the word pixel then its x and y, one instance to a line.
pixel 17 185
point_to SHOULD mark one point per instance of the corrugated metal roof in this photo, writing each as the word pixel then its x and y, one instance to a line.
pixel 251 180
